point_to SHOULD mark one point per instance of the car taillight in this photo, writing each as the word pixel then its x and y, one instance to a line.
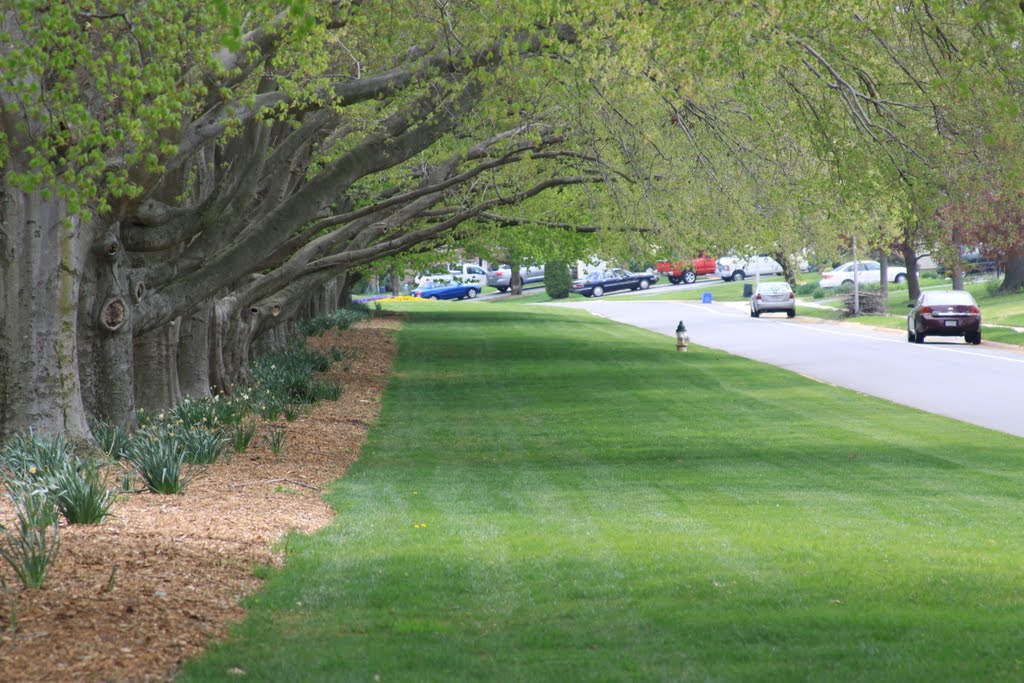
pixel 975 310
pixel 499 273
pixel 792 296
pixel 758 297
pixel 926 309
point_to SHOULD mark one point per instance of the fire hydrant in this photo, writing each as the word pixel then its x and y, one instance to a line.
pixel 682 339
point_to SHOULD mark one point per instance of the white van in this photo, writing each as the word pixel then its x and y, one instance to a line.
pixel 460 272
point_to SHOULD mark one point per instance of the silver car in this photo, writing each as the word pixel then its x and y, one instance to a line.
pixel 772 297
pixel 501 277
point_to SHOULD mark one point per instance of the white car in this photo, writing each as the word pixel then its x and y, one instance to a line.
pixel 501 277
pixel 466 273
pixel 867 273
pixel 732 268
pixel 773 297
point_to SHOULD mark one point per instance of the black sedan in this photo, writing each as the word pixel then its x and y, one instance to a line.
pixel 948 313
pixel 616 279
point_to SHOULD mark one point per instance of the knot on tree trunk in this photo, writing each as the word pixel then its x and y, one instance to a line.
pixel 114 314
pixel 137 286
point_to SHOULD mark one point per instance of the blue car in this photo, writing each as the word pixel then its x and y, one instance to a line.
pixel 447 290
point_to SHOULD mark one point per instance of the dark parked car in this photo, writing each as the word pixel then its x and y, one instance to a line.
pixel 948 313
pixel 973 263
pixel 601 281
pixel 447 290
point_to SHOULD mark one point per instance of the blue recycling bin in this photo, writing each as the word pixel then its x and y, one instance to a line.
pixel 705 298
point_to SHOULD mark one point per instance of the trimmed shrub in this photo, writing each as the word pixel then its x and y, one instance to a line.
pixel 557 280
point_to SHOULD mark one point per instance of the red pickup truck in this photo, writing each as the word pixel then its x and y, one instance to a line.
pixel 686 271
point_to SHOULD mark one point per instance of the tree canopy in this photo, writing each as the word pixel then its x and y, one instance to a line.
pixel 183 180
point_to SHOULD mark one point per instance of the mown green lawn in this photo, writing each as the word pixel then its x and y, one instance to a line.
pixel 549 496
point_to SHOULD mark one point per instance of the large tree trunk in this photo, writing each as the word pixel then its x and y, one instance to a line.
pixel 105 333
pixel 156 368
pixel 42 257
pixel 883 277
pixel 1013 280
pixel 194 352
pixel 910 257
pixel 233 332
pixel 789 269
pixel 515 283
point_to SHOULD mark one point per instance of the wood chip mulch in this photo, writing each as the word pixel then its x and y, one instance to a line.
pixel 134 597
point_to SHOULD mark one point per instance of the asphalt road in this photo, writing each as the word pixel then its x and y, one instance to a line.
pixel 976 384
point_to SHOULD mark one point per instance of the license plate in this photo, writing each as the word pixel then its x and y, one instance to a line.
pixel 951 323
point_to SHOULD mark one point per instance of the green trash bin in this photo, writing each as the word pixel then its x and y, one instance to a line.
pixel 748 289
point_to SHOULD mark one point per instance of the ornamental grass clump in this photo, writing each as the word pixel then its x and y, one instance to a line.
pixel 275 440
pixel 32 456
pixel 341 319
pixel 160 459
pixel 80 492
pixel 193 412
pixel 34 541
pixel 202 445
pixel 112 439
pixel 289 377
pixel 242 435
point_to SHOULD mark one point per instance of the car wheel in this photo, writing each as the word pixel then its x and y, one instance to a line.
pixel 918 337
pixel 644 284
pixel 973 338
pixel 502 289
pixel 756 314
pixel 900 277
pixel 752 314
pixel 689 277
pixel 472 293
pixel 434 298
pixel 598 291
pixel 673 279
pixel 790 314
pixel 738 276
pixel 911 337
pixel 847 282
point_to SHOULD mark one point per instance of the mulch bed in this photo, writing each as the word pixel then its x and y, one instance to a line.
pixel 134 597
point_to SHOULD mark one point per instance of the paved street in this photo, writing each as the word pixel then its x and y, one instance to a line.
pixel 976 384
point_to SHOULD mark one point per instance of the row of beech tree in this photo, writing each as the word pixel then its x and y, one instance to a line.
pixel 182 180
